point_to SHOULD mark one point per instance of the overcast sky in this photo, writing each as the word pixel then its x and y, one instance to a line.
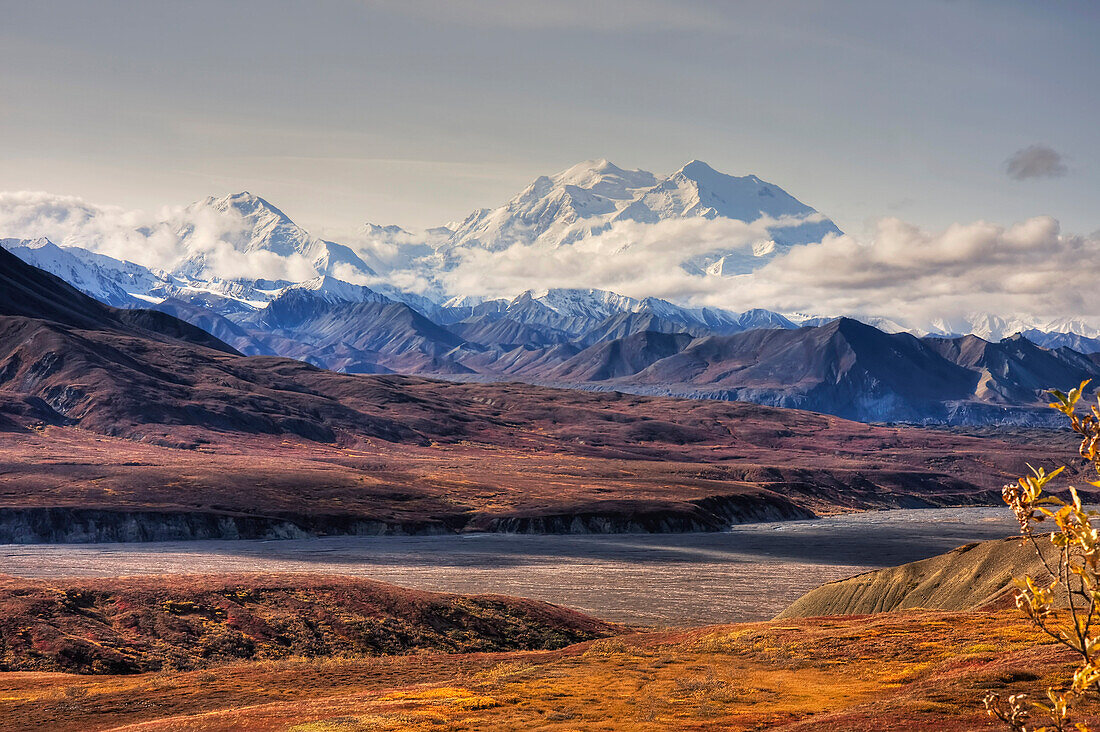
pixel 417 111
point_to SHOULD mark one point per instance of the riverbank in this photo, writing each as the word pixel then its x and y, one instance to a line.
pixel 750 572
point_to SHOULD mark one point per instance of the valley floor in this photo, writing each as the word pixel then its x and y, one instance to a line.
pixel 750 572
pixel 898 671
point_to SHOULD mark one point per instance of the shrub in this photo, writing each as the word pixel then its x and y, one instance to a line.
pixel 1064 601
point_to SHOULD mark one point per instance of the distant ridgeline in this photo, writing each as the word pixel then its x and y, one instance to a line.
pixel 584 338
pixel 132 425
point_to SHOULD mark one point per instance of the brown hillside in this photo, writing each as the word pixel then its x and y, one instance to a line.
pixel 968 578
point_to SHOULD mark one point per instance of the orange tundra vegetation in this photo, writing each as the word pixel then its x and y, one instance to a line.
pixel 893 671
pixel 134 624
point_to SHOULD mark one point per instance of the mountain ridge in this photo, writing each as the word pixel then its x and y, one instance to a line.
pixel 592 196
pixel 218 235
pixel 333 310
pixel 115 431
pixel 599 340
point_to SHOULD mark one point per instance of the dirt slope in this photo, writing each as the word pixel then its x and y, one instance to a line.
pixel 968 578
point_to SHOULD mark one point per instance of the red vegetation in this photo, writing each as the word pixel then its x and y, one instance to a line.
pixel 137 624
pixel 779 462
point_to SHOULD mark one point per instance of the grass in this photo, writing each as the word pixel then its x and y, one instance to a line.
pixel 903 671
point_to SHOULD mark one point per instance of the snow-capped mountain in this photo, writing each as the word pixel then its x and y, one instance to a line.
pixel 126 284
pixel 221 244
pixel 112 281
pixel 331 290
pixel 600 304
pixel 697 189
pixel 555 210
pixel 579 310
pixel 251 227
pixel 987 326
pixel 990 327
pixel 235 254
pixel 240 251
pixel 591 197
pixel 586 303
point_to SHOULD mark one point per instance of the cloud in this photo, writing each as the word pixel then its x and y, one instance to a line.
pixel 161 240
pixel 899 271
pixel 915 276
pixel 1036 161
pixel 631 258
pixel 902 271
pixel 387 249
pixel 68 220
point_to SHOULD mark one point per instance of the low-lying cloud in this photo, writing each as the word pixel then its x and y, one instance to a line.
pixel 1036 161
pixel 160 240
pixel 911 275
pixel 71 221
pixel 902 272
pixel 631 258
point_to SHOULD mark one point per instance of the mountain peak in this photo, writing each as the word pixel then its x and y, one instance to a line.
pixel 707 177
pixel 598 165
pixel 592 196
pixel 39 243
pixel 845 325
pixel 603 177
pixel 245 203
pixel 255 225
pixel 695 168
pixel 370 229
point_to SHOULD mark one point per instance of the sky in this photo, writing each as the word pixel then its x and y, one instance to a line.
pixel 415 112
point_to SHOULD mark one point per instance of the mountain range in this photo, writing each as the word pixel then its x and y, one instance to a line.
pixel 841 367
pixel 590 197
pixel 237 252
pixel 129 424
pixel 337 307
